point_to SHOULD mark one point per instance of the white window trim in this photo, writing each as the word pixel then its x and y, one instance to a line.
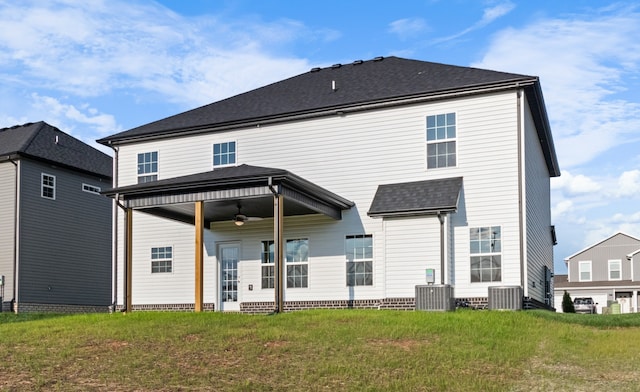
pixel 480 254
pixel 427 142
pixel 42 186
pixel 288 263
pixel 273 264
pixel 580 264
pixel 91 189
pixel 609 269
pixel 228 164
pixel 160 273
pixel 373 247
pixel 156 173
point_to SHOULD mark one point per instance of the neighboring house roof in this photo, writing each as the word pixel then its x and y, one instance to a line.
pixel 566 259
pixel 44 142
pixel 561 282
pixel 416 198
pixel 361 85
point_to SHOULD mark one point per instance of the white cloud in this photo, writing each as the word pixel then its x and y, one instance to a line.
pixel 583 63
pixel 561 208
pixel 628 184
pixel 573 185
pixel 488 16
pixel 93 48
pixel 407 27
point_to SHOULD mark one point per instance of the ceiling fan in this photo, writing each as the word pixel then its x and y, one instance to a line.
pixel 240 218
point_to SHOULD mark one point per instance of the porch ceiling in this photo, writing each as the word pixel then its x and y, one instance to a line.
pixel 223 190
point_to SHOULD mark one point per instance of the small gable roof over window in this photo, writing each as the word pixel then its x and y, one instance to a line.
pixel 416 198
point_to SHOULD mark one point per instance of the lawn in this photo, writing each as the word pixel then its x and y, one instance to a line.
pixel 323 350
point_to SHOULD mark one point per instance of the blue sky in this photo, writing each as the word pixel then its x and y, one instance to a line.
pixel 93 68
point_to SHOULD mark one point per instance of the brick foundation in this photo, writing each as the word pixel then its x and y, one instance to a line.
pixel 386 303
pixel 476 302
pixel 167 307
pixel 23 307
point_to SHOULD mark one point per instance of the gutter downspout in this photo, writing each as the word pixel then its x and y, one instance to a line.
pixel 278 245
pixel 521 218
pixel 441 219
pixel 16 238
pixel 114 232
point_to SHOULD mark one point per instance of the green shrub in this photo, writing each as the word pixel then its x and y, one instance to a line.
pixel 567 303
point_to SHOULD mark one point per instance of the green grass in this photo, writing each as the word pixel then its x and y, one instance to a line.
pixel 320 351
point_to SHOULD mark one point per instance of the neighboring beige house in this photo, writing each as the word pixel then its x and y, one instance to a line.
pixel 606 271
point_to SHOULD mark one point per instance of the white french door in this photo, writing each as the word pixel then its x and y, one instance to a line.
pixel 229 256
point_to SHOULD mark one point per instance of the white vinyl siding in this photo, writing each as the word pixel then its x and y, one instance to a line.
pixel 539 242
pixel 337 153
pixel 412 245
pixel 7 225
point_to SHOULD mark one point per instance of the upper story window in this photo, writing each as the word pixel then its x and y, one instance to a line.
pixel 441 140
pixel 584 271
pixel 224 154
pixel 147 166
pixel 91 189
pixel 297 254
pixel 486 254
pixel 615 270
pixel 161 259
pixel 359 252
pixel 48 186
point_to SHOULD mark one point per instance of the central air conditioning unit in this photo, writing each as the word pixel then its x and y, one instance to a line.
pixel 435 297
pixel 505 298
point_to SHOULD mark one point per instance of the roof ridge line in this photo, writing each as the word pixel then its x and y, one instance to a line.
pixel 33 136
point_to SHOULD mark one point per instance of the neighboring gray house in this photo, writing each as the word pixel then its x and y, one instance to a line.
pixel 55 227
pixel 606 271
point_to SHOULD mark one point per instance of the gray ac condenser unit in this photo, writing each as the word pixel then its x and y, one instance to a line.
pixel 435 297
pixel 505 298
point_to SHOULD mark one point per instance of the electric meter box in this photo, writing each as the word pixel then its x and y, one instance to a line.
pixel 430 275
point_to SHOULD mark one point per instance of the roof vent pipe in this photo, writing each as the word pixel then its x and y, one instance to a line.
pixel 333 85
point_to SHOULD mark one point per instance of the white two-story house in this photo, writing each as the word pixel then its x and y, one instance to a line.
pixel 345 186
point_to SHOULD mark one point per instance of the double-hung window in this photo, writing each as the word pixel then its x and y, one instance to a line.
pixel 48 186
pixel 161 259
pixel 224 154
pixel 584 271
pixel 359 252
pixel 268 265
pixel 147 167
pixel 615 270
pixel 297 254
pixel 486 254
pixel 441 140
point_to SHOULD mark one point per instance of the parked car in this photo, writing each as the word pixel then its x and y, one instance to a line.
pixel 585 305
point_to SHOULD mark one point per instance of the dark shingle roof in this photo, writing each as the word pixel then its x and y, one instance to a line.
pixel 416 198
pixel 228 178
pixel 45 142
pixel 355 83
